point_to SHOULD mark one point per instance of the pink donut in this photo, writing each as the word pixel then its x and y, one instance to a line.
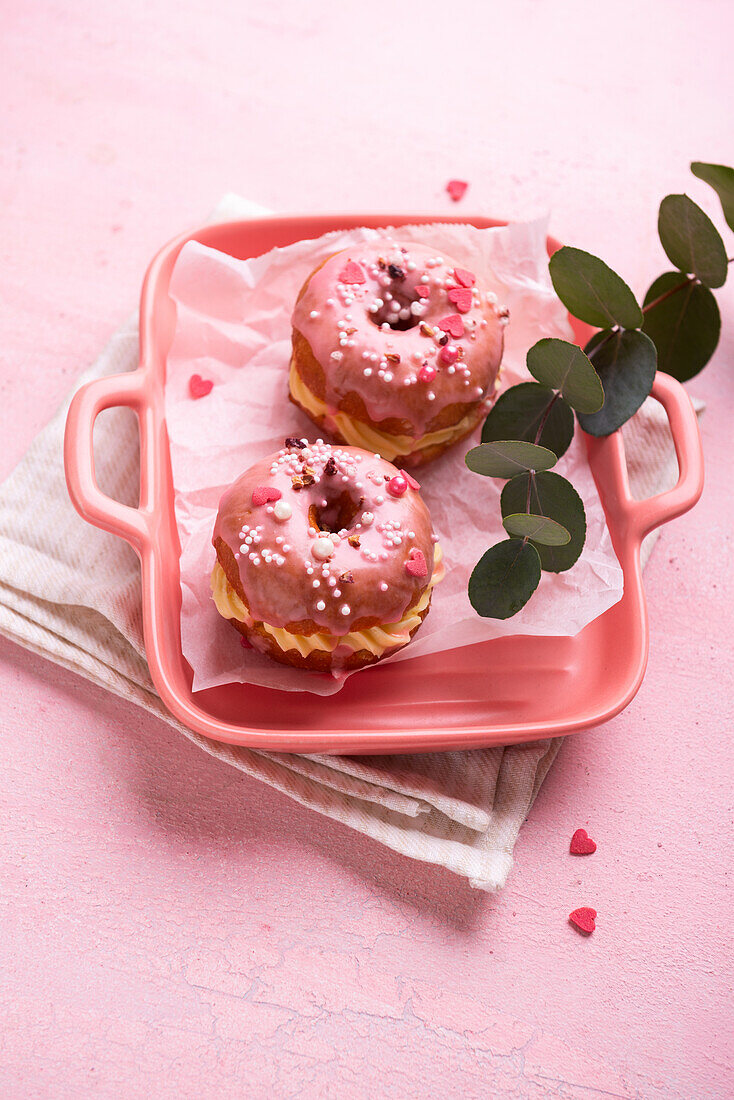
pixel 396 348
pixel 325 556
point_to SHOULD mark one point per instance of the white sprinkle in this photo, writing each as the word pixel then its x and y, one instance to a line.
pixel 431 395
pixel 320 606
pixel 282 511
pixel 345 609
pixel 367 372
pixel 313 314
pixel 336 593
pixel 367 519
pixel 322 548
pixel 383 586
pixel 316 583
pixel 337 355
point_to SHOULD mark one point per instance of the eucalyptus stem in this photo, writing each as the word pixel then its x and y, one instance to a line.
pixel 545 416
pixel 688 281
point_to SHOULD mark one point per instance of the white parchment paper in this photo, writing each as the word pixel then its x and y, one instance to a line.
pixel 233 327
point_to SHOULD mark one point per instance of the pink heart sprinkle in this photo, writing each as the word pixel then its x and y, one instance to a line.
pixel 416 565
pixel 448 354
pixel 452 324
pixel 582 844
pixel 583 919
pixel 427 373
pixel 411 481
pixel 352 273
pixel 397 485
pixel 461 297
pixel 422 290
pixel 199 387
pixel 457 189
pixel 264 494
pixel 464 277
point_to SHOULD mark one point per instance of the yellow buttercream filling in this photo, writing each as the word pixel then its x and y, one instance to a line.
pixel 359 434
pixel 376 639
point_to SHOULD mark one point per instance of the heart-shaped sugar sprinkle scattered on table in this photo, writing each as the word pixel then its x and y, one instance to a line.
pixel 582 844
pixel 457 189
pixel 199 387
pixel 584 919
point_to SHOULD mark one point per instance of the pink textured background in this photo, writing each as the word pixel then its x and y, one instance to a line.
pixel 170 928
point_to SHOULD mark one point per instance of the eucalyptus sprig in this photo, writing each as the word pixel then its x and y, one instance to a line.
pixel 531 425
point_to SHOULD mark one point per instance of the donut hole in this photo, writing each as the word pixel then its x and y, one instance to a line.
pixel 339 512
pixel 393 311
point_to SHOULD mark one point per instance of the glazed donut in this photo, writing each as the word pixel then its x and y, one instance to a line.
pixel 325 556
pixel 395 348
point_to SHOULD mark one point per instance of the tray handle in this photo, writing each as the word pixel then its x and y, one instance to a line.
pixel 88 499
pixel 646 515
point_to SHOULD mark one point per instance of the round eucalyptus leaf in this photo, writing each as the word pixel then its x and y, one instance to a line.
pixel 504 579
pixel 552 496
pixel 507 457
pixel 540 529
pixel 721 179
pixel 626 362
pixel 691 240
pixel 591 291
pixel 564 366
pixel 685 327
pixel 519 411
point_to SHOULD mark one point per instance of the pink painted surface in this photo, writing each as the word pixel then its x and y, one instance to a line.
pixel 171 928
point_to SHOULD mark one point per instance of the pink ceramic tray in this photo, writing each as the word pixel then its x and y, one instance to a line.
pixel 498 692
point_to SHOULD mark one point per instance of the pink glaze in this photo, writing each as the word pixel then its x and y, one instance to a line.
pixel 345 314
pixel 291 572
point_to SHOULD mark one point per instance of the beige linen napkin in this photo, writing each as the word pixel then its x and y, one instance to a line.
pixel 71 593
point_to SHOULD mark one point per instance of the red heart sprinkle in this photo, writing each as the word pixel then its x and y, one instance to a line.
pixel 461 297
pixel 452 324
pixel 583 919
pixel 397 485
pixel 411 481
pixel 264 494
pixel 582 844
pixel 427 373
pixel 457 189
pixel 352 273
pixel 464 277
pixel 422 290
pixel 448 354
pixel 199 387
pixel 416 565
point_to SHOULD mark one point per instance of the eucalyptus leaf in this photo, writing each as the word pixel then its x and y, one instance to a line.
pixel 691 240
pixel 507 457
pixel 591 291
pixel 626 362
pixel 552 496
pixel 721 178
pixel 504 579
pixel 539 529
pixel 519 411
pixel 565 367
pixel 684 327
